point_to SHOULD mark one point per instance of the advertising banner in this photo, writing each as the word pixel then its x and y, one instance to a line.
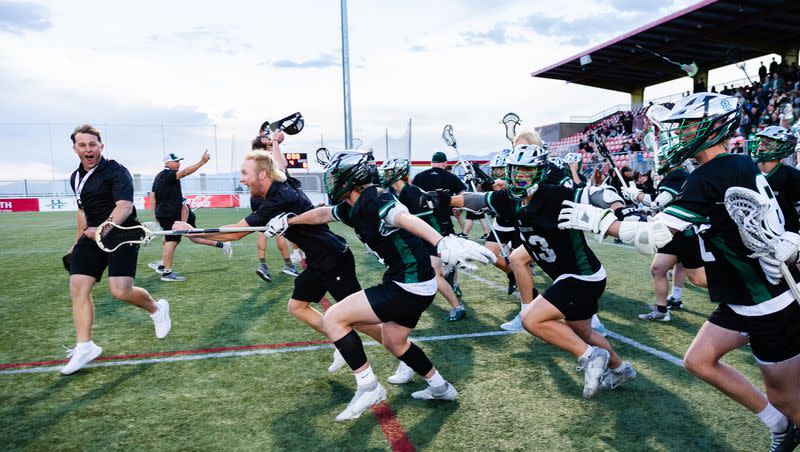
pixel 19 204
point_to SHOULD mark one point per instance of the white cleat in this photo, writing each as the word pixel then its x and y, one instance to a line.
pixel 227 248
pixel 161 319
pixel 361 402
pixel 613 379
pixel 594 367
pixel 338 362
pixel 514 325
pixel 79 358
pixel 157 266
pixel 403 374
pixel 448 392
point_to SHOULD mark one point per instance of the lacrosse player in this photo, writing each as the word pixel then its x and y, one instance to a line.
pixel 755 304
pixel 773 144
pixel 330 263
pixel 104 189
pixel 167 197
pixel 562 314
pixel 408 286
pixel 394 177
pixel 508 235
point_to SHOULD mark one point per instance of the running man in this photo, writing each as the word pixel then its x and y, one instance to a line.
pixel 104 189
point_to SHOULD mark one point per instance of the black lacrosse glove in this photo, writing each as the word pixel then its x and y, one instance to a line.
pixel 435 198
pixel 629 214
pixel 66 259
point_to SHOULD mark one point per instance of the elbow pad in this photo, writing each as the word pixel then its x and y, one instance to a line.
pixel 662 200
pixel 646 237
pixel 474 201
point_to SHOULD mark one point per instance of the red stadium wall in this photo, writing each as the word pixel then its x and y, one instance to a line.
pixel 19 204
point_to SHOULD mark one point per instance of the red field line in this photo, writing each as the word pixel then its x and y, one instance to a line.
pixel 392 430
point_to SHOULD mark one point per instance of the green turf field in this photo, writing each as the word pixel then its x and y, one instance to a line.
pixel 515 392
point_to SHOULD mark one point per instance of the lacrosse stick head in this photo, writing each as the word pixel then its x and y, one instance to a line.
pixel 750 211
pixel 510 121
pixel 323 156
pixel 448 137
pixel 690 69
pixel 110 236
pixel 290 125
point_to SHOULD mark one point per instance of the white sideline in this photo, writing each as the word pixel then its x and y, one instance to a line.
pixel 179 358
pixel 645 348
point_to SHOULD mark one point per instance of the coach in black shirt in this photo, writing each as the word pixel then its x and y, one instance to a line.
pixel 169 200
pixel 104 189
pixel 438 178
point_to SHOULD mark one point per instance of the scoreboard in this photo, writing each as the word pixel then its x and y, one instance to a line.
pixel 297 160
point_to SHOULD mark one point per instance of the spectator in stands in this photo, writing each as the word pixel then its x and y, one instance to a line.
pixel 598 176
pixel 613 181
pixel 627 122
pixel 762 72
pixel 773 66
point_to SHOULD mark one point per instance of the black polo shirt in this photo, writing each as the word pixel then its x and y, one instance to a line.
pixel 316 240
pixel 109 182
pixel 437 178
pixel 169 196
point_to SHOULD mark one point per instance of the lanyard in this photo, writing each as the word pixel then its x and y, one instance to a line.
pixel 80 182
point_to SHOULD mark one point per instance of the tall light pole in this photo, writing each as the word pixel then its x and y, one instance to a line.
pixel 348 116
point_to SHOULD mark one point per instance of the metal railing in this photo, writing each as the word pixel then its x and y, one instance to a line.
pixel 608 111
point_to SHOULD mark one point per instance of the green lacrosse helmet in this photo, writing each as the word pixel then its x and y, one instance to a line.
pixel 774 143
pixel 347 170
pixel 497 164
pixel 573 158
pixel 695 123
pixel 393 170
pixel 526 168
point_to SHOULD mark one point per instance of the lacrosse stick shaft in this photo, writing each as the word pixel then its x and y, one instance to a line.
pixel 787 276
pixel 485 215
pixel 209 231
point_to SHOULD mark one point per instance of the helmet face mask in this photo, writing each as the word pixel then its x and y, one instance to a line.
pixel 393 170
pixel 498 172
pixel 696 123
pixel 774 143
pixel 526 168
pixel 347 170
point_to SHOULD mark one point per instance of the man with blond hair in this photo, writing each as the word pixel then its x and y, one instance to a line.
pixel 104 189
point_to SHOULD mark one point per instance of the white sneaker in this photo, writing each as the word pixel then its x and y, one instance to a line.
pixel 79 358
pixel 613 379
pixel 361 402
pixel 593 367
pixel 403 374
pixel 429 393
pixel 157 266
pixel 161 319
pixel 338 362
pixel 227 248
pixel 514 325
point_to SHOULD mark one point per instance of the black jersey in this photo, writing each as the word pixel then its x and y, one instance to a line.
pixel 409 196
pixel 556 251
pixel 169 196
pixel 785 183
pixel 404 254
pixel 673 181
pixel 439 179
pixel 99 191
pixel 733 277
pixel 317 240
pixel 557 176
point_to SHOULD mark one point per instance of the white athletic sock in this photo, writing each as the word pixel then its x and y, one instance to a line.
pixel 89 343
pixel 587 353
pixel 366 378
pixel 436 380
pixel 676 292
pixel 773 419
pixel 596 321
pixel 522 306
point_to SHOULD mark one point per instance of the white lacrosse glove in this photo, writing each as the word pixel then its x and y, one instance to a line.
pixel 787 248
pixel 771 268
pixel 631 192
pixel 278 225
pixel 585 217
pixel 454 250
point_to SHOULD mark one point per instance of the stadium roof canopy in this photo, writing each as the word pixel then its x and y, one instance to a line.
pixel 711 33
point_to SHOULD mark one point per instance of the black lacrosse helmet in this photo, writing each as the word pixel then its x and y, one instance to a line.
pixel 347 170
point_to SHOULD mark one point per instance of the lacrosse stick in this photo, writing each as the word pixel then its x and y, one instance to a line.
pixel 750 210
pixel 606 154
pixel 290 125
pixel 111 236
pixel 450 140
pixel 511 121
pixel 323 156
pixel 690 69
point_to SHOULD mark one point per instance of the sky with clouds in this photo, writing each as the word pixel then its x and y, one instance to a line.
pixel 184 76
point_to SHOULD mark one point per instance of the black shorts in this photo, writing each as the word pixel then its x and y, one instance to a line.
pixel 505 237
pixel 335 274
pixel 192 219
pixel 166 224
pixel 473 216
pixel 686 249
pixel 773 337
pixel 575 298
pixel 88 259
pixel 391 303
pixel 431 249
